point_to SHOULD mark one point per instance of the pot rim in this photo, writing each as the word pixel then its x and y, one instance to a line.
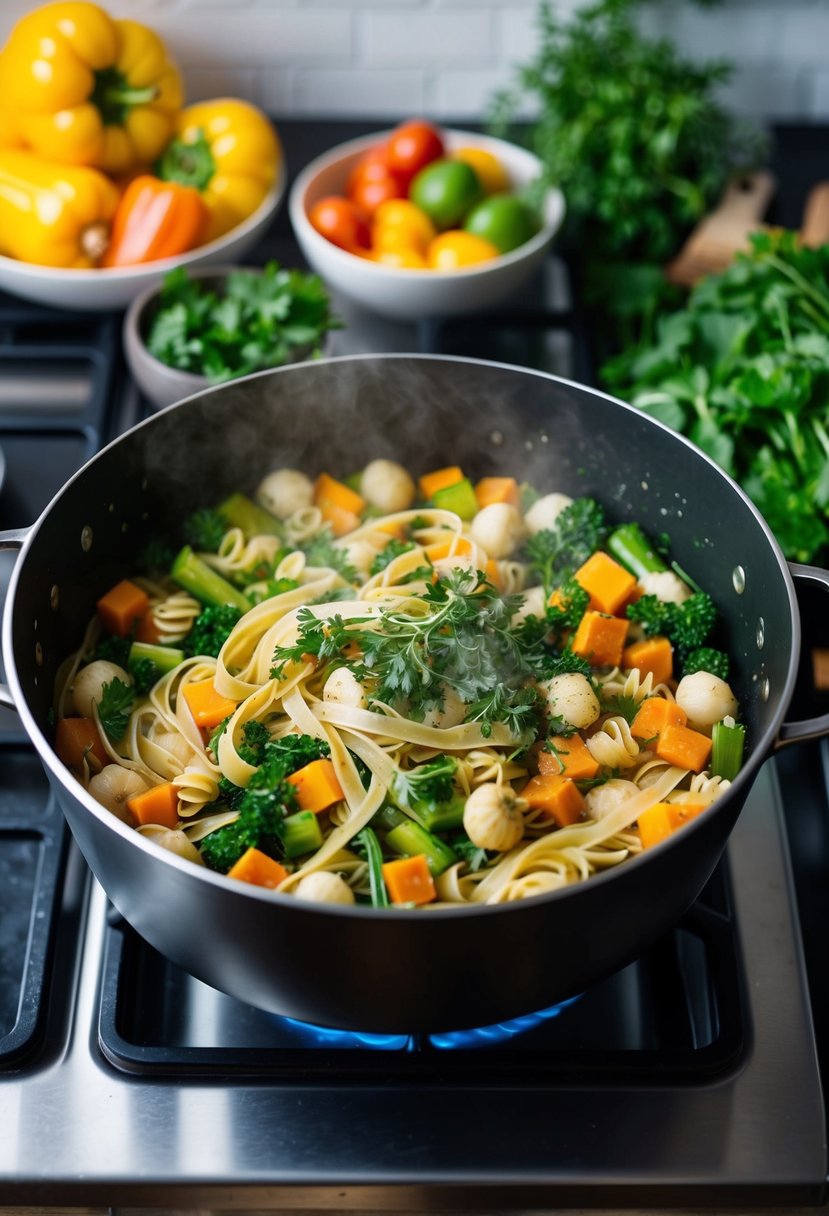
pixel 58 771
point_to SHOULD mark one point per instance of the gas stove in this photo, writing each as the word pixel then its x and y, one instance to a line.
pixel 691 1077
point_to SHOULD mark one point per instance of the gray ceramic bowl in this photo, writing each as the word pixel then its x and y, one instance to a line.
pixel 160 384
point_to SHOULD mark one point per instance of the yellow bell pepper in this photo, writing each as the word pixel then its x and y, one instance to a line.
pixel 231 153
pixel 89 90
pixel 53 214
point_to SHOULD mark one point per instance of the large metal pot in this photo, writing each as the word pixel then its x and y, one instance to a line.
pixel 402 971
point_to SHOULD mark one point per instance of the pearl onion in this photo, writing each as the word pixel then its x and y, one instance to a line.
pixel 285 491
pixel 387 485
pixel 113 786
pixel 572 698
pixel 545 511
pixel 88 684
pixel 492 818
pixel 534 604
pixel 452 713
pixel 666 586
pixel 607 797
pixel 174 841
pixel 343 688
pixel 498 529
pixel 706 699
pixel 323 887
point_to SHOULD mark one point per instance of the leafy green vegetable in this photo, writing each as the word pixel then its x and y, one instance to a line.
pixel 211 629
pixel 115 650
pixel 204 529
pixel 743 370
pixel 115 707
pixel 429 782
pixel 554 554
pixel 321 551
pixel 706 658
pixel 258 320
pixel 395 548
pixel 145 673
pixel 635 136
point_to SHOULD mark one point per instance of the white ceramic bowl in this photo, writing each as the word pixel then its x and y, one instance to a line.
pixel 411 294
pixel 94 290
pixel 161 384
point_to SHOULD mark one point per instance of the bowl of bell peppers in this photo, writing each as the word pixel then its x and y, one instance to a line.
pixel 107 179
pixel 425 221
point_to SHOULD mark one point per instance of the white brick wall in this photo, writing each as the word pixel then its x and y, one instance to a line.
pixel 445 58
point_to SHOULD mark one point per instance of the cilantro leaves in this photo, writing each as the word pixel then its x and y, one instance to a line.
pixel 258 320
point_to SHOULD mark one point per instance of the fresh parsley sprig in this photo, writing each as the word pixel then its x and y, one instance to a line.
pixel 115 707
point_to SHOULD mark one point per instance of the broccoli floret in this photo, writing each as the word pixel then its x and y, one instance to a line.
pixel 204 530
pixel 115 650
pixel 706 658
pixel 145 673
pixel 278 758
pixel 155 558
pixel 687 625
pixel 211 629
pixel 554 554
pixel 262 807
pixel 571 601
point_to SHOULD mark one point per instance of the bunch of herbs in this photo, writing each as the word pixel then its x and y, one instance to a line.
pixel 251 321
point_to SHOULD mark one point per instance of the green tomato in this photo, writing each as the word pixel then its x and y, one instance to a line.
pixel 446 190
pixel 504 220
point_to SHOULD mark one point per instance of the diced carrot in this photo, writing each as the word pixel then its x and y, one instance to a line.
pixel 654 655
pixel 206 705
pixel 653 715
pixel 430 483
pixel 455 546
pixel 77 737
pixel 156 805
pixel 567 758
pixel 257 868
pixel 557 797
pixel 662 820
pixel 339 504
pixel 497 489
pixel 409 880
pixel 684 747
pixel 316 786
pixel 608 584
pixel 122 607
pixel 147 630
pixel 600 639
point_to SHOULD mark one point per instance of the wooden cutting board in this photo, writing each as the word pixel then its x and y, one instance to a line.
pixel 715 240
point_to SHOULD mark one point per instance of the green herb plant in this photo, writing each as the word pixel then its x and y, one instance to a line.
pixel 257 320
pixel 743 371
pixel 634 136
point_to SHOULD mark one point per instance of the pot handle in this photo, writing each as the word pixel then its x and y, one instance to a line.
pixel 809 728
pixel 15 538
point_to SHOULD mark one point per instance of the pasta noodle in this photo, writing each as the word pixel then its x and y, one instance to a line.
pixel 384 708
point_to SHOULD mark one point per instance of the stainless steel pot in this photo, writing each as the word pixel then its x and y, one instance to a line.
pixel 402 971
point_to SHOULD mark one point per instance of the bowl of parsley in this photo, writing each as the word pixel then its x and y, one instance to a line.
pixel 205 326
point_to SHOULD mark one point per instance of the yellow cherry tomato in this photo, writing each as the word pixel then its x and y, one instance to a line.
pixel 400 258
pixel 453 250
pixel 491 173
pixel 400 224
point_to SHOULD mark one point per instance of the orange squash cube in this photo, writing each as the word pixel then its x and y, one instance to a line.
pixel 316 786
pixel 122 607
pixel 205 704
pixel 600 639
pixel 497 489
pixel 159 804
pixel 257 868
pixel 439 479
pixel 662 820
pixel 557 798
pixel 409 880
pixel 568 757
pixel 653 715
pixel 608 584
pixel 684 747
pixel 651 655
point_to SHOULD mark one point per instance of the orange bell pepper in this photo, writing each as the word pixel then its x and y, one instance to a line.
pixel 153 220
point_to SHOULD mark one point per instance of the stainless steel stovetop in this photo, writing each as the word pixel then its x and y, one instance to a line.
pixel 691 1078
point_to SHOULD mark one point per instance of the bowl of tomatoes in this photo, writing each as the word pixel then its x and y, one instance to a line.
pixel 425 221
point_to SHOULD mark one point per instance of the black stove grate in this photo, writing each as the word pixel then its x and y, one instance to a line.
pixel 675 1015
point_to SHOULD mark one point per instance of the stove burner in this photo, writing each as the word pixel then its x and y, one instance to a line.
pixel 451 1040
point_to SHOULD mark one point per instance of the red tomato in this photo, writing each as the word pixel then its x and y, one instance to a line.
pixel 371 181
pixel 341 222
pixel 412 146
